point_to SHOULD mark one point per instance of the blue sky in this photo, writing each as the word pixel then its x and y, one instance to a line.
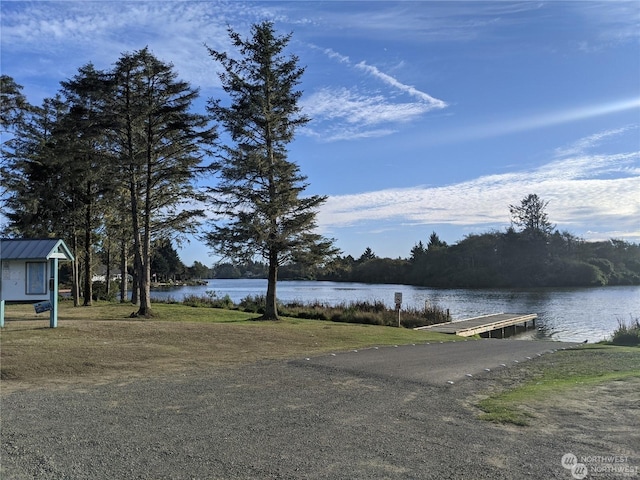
pixel 427 116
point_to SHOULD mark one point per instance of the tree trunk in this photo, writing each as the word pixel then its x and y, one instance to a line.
pixel 137 275
pixel 75 287
pixel 145 246
pixel 144 279
pixel 135 284
pixel 124 275
pixel 87 290
pixel 108 274
pixel 88 283
pixel 271 308
pixel 137 253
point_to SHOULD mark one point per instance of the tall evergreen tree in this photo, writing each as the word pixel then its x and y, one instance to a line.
pixel 531 216
pixel 13 103
pixel 417 252
pixel 88 160
pixel 435 242
pixel 160 145
pixel 367 255
pixel 32 198
pixel 259 196
pixel 165 262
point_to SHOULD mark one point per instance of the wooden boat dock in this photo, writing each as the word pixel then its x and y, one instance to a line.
pixel 494 325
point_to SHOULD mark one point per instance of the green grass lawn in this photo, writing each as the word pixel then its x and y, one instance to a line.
pixel 554 374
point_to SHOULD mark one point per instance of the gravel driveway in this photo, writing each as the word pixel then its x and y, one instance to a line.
pixel 372 414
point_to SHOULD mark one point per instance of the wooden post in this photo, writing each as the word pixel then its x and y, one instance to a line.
pixel 53 294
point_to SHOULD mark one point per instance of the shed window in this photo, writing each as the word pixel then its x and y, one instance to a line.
pixel 36 278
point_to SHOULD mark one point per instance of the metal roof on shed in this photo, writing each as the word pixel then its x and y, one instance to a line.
pixel 33 249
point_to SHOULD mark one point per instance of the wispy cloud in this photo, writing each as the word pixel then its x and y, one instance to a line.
pixel 354 114
pixel 533 122
pixel 584 189
pixel 389 80
pixel 592 141
pixel 419 22
pixel 611 23
pixel 75 33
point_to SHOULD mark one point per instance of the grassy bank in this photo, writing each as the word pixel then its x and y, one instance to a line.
pixel 554 375
pixel 102 340
pixel 363 312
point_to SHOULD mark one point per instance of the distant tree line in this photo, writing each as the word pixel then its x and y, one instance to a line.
pixel 530 253
pixel 499 260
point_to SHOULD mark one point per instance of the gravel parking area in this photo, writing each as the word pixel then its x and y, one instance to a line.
pixel 311 419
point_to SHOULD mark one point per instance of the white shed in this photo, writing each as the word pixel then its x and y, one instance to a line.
pixel 30 273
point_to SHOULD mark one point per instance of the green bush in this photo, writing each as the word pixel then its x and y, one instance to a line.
pixel 253 304
pixel 363 312
pixel 627 335
pixel 567 273
pixel 100 291
pixel 367 313
pixel 211 300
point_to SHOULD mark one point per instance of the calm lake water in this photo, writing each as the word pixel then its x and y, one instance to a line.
pixel 572 314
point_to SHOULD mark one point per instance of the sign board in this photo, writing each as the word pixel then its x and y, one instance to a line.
pixel 398 298
pixel 42 306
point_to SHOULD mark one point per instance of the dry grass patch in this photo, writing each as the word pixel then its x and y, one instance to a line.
pixel 100 342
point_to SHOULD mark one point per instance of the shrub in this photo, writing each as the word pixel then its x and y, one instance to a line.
pixel 628 335
pixel 363 312
pixel 211 300
pixel 169 300
pixel 100 291
pixel 576 273
pixel 253 304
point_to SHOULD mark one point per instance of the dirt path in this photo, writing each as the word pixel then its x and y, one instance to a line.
pixel 306 419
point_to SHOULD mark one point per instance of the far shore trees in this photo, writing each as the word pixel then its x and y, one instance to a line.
pixel 259 197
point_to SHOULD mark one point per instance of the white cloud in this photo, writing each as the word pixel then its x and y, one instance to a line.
pixel 352 113
pixel 588 143
pixel 332 54
pixel 388 79
pixel 75 33
pixel 358 109
pixel 533 122
pixel 611 23
pixel 585 192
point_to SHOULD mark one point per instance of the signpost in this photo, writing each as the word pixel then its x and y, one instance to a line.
pixel 398 299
